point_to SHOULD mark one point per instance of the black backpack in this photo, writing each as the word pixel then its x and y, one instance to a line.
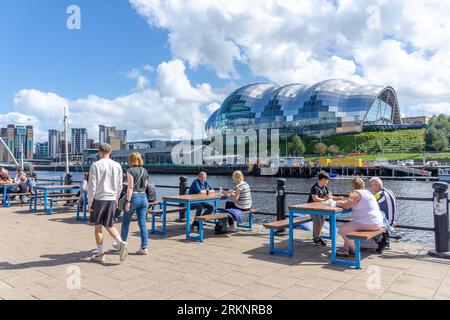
pixel 221 226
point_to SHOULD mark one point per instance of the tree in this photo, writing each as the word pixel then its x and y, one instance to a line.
pixel 333 149
pixel 296 146
pixel 438 133
pixel 320 148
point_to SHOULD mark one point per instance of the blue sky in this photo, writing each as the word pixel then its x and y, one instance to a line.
pixel 199 51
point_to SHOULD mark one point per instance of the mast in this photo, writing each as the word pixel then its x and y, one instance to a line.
pixel 66 145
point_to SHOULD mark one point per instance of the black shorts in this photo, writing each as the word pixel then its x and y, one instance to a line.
pixel 103 213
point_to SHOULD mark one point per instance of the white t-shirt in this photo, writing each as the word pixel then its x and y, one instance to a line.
pixel 367 211
pixel 105 181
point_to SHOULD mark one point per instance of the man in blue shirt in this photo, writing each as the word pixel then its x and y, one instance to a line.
pixel 201 186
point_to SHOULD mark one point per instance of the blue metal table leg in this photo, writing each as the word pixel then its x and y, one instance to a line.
pixel 5 189
pixel 164 222
pixel 200 228
pixel 85 204
pixel 45 200
pixel 188 221
pixel 291 233
pixel 333 237
pixel 358 253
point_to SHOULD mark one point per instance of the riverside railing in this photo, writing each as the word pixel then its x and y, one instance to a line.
pixel 440 200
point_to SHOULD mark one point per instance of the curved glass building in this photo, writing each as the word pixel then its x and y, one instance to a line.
pixel 325 109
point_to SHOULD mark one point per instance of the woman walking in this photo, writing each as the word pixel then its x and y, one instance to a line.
pixel 136 200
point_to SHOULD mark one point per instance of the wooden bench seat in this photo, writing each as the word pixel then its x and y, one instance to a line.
pixel 64 199
pixel 365 235
pixel 210 217
pixel 168 210
pixel 357 237
pixel 280 224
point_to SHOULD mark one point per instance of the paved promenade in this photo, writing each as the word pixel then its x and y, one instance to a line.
pixel 41 256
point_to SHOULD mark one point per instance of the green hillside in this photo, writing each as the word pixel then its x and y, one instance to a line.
pixel 401 141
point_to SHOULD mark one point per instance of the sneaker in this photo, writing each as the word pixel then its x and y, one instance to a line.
pixel 232 228
pixel 123 251
pixel 319 241
pixel 342 252
pixel 100 258
pixel 142 252
pixel 351 252
pixel 116 246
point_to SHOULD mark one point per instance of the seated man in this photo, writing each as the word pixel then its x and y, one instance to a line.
pixel 388 206
pixel 201 186
pixel 320 193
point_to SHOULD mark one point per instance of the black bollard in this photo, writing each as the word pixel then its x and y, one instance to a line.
pixel 281 201
pixel 183 187
pixel 441 221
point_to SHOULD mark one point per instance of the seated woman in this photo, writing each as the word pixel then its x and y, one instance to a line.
pixel 366 215
pixel 240 197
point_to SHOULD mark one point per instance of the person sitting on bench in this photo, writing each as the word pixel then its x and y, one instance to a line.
pixel 388 206
pixel 240 196
pixel 320 193
pixel 201 186
pixel 4 179
pixel 366 215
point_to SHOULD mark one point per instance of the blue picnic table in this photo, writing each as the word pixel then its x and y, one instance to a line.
pixel 187 201
pixel 46 190
pixel 317 208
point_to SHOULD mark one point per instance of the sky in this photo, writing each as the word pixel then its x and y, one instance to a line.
pixel 157 67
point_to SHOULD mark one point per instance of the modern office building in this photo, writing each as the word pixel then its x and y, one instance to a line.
pixel 41 150
pixel 19 140
pixel 54 143
pixel 111 135
pixel 325 109
pixel 79 140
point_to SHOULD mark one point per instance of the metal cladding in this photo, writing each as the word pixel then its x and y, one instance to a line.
pixel 325 109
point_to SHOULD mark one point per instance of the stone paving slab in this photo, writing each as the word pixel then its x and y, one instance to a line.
pixel 41 255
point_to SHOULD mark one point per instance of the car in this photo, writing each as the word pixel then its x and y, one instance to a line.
pixel 409 162
pixel 432 164
pixel 400 163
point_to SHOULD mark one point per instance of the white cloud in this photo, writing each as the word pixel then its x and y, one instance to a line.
pixel 147 112
pixel 312 40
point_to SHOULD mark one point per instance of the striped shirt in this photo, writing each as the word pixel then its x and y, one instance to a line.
pixel 245 198
pixel 388 204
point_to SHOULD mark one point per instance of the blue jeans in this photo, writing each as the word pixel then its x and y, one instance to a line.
pixel 139 204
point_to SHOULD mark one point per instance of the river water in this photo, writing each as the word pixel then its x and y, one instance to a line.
pixel 410 212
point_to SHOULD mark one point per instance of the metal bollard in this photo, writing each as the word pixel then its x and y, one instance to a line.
pixel 182 191
pixel 281 201
pixel 441 221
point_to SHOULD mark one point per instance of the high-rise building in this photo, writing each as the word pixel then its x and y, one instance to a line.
pixel 54 143
pixel 3 152
pixel 106 134
pixel 29 145
pixel 79 140
pixel 41 150
pixel 19 140
pixel 122 135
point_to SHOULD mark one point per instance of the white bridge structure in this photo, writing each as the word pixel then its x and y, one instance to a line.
pixel 3 144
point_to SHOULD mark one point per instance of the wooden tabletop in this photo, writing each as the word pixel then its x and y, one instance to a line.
pixel 9 184
pixel 316 206
pixel 194 197
pixel 57 187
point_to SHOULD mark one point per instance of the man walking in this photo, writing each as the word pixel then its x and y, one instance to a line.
pixel 105 184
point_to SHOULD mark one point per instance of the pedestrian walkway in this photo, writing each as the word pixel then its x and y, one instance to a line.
pixel 41 257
